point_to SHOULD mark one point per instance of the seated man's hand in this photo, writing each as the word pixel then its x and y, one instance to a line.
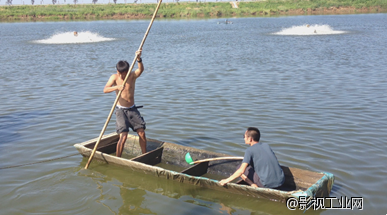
pixel 254 185
pixel 223 182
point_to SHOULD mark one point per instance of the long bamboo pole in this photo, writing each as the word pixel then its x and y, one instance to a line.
pixel 218 158
pixel 119 93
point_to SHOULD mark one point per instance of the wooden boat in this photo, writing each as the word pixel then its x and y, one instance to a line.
pixel 167 160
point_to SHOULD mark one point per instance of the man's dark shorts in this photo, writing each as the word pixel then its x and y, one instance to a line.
pixel 128 118
pixel 252 175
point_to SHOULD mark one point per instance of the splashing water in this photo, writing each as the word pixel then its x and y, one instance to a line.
pixel 69 37
pixel 309 30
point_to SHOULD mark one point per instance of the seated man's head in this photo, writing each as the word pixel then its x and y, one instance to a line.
pixel 252 135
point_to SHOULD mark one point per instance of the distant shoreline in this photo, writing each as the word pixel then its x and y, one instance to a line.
pixel 184 10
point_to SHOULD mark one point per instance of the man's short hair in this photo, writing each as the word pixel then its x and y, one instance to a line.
pixel 122 66
pixel 254 133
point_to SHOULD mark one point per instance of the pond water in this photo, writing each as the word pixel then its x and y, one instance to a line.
pixel 318 98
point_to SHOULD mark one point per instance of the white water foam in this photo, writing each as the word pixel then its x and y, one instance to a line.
pixel 309 30
pixel 68 38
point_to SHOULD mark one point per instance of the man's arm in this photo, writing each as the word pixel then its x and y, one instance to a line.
pixel 111 85
pixel 244 177
pixel 140 68
pixel 236 174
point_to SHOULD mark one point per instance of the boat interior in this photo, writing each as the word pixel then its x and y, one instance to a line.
pixel 172 157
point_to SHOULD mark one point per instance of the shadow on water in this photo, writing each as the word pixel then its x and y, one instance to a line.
pixel 141 193
pixel 12 123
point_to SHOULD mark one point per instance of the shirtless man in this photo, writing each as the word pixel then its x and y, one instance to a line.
pixel 127 114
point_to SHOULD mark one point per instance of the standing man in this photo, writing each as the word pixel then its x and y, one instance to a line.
pixel 127 114
pixel 259 164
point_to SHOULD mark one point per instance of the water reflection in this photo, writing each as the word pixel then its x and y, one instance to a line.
pixel 141 193
pixel 133 201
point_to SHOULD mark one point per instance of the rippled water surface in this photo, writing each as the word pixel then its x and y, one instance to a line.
pixel 318 99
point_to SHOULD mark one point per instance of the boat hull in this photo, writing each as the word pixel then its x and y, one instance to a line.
pixel 167 160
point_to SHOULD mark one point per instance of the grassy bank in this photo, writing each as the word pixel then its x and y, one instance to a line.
pixel 186 9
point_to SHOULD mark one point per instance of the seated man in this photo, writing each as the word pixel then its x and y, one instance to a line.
pixel 260 165
pixel 75 33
